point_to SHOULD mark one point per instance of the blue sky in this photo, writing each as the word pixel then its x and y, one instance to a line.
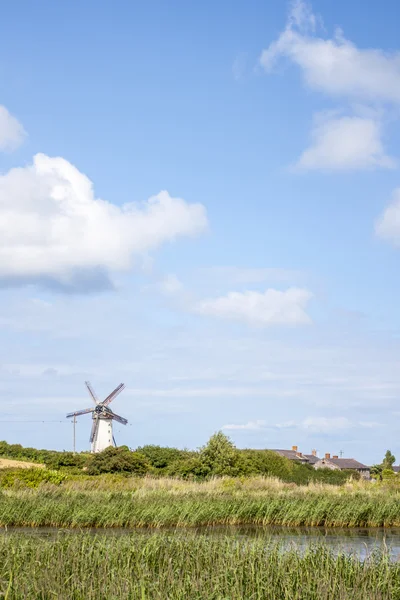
pixel 202 201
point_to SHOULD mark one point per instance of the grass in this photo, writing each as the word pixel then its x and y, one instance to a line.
pixel 165 566
pixel 156 503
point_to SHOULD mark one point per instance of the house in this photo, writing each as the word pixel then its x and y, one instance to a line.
pixel 336 463
pixel 312 458
pixel 292 454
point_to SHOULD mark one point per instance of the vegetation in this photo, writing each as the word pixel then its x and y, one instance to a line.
pixel 30 478
pixel 186 567
pixel 218 458
pixel 388 461
pixel 118 460
pixel 118 501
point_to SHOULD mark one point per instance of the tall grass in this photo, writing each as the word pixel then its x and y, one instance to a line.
pixel 157 503
pixel 185 567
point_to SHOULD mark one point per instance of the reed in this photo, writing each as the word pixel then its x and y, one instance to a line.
pixel 178 566
pixel 157 503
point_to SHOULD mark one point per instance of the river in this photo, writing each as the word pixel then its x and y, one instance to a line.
pixel 359 542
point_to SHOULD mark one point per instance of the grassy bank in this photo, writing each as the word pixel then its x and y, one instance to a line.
pixel 165 503
pixel 185 567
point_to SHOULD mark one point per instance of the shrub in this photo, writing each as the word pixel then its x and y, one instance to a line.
pixel 160 457
pixel 30 478
pixel 118 460
pixel 388 474
pixel 190 468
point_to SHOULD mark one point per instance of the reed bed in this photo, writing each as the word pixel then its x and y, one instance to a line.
pixel 175 566
pixel 189 505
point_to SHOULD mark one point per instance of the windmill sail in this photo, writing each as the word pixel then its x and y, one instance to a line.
pixel 91 392
pixel 79 412
pixel 113 394
pixel 95 427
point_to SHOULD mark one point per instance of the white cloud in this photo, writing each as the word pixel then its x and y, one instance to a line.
pixel 53 229
pixel 325 425
pixel 207 392
pixel 333 424
pixel 286 425
pixel 311 424
pixel 12 134
pixel 388 225
pixel 334 65
pixel 273 307
pixel 238 275
pixel 250 426
pixel 345 143
pixel 170 285
pixel 370 424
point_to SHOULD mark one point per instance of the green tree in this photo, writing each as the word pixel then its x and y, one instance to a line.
pixel 388 461
pixel 220 455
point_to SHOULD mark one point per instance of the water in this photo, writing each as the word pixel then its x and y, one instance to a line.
pixel 359 542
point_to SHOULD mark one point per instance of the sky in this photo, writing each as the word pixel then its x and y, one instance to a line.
pixel 201 201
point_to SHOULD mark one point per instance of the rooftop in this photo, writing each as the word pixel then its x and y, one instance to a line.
pixel 346 463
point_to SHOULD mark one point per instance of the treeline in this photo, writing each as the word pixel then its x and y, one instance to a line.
pixel 219 457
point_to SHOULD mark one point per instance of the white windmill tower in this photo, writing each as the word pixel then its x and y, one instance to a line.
pixel 101 436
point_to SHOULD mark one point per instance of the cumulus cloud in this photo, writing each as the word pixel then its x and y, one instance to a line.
pixel 388 225
pixel 250 426
pixel 272 307
pixel 325 425
pixel 332 424
pixel 54 230
pixel 334 65
pixel 241 275
pixel 12 134
pixel 338 68
pixel 345 143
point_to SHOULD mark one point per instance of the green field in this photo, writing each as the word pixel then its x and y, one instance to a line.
pixel 156 503
pixel 178 566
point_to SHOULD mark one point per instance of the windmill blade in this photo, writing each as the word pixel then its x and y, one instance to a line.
pixel 80 412
pixel 112 415
pixel 113 394
pixel 91 392
pixel 95 427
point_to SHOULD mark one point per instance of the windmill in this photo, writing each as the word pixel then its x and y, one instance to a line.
pixel 101 435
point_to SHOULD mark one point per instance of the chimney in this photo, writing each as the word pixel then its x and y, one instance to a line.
pixel 294 448
pixel 300 454
pixel 314 452
pixel 327 455
pixel 334 456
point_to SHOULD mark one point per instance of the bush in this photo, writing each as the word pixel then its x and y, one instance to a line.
pixel 118 460
pixel 388 474
pixel 30 478
pixel 161 457
pixel 191 468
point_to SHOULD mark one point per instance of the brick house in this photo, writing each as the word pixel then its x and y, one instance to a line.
pixel 341 464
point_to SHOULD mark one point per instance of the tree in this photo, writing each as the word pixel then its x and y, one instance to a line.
pixel 388 461
pixel 376 471
pixel 220 455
